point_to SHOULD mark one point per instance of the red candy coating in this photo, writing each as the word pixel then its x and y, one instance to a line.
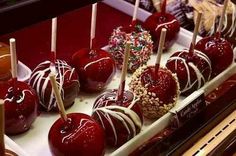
pixel 156 22
pixel 80 135
pixel 193 70
pixel 120 120
pixel 95 67
pixel 163 84
pixel 218 50
pixel 157 91
pixel 20 106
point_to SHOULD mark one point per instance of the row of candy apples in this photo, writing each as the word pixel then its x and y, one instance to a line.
pixel 154 89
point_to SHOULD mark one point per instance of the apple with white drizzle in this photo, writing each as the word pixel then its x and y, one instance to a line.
pixel 95 66
pixel 75 133
pixel 193 68
pixel 159 20
pixel 217 48
pixel 118 112
pixel 66 77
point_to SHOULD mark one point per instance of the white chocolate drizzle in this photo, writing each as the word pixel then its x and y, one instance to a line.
pixel 166 23
pixel 21 98
pixel 83 126
pixel 129 118
pixel 40 80
pixel 200 77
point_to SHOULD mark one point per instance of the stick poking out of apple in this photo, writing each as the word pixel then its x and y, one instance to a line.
pixel 160 49
pixel 58 97
pixel 120 91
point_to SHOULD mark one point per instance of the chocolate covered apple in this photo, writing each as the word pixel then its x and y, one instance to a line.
pixel 21 101
pixel 141 44
pixel 5 62
pixel 95 66
pixel 75 133
pixel 66 77
pixel 156 88
pixel 218 49
pixel 157 21
pixel 118 111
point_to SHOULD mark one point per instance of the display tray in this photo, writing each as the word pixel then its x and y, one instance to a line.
pixel 11 145
pixel 35 141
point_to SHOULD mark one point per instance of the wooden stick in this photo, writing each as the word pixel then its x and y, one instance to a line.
pixel 93 24
pixel 2 128
pixel 196 28
pixel 13 57
pixel 222 16
pixel 58 97
pixel 54 35
pixel 156 4
pixel 163 6
pixel 136 6
pixel 160 48
pixel 120 91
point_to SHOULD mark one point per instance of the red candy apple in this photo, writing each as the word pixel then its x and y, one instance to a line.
pixel 79 135
pixel 121 120
pixel 193 69
pixel 157 21
pixel 218 50
pixel 95 67
pixel 21 103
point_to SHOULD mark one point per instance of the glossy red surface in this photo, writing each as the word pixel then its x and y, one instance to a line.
pixel 181 69
pixel 108 123
pixel 96 68
pixel 162 83
pixel 218 50
pixel 156 22
pixel 21 105
pixel 80 135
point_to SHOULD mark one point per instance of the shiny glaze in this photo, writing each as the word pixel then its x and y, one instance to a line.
pixel 162 84
pixel 193 70
pixel 218 50
pixel 141 46
pixel 5 62
pixel 95 67
pixel 157 92
pixel 80 135
pixel 21 105
pixel 67 80
pixel 120 120
pixel 156 22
